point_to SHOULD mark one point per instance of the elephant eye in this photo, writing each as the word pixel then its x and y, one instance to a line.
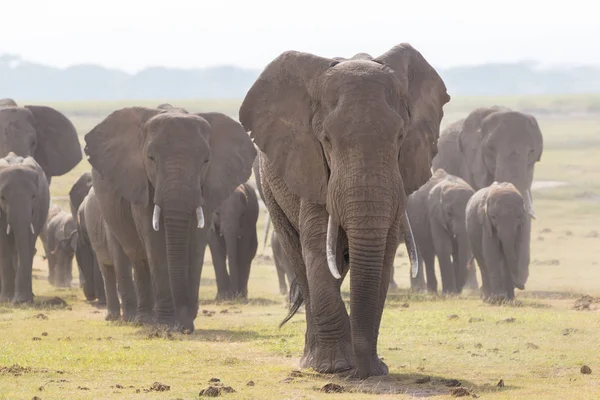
pixel 151 158
pixel 206 161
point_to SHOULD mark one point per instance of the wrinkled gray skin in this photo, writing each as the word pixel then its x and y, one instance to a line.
pixel 90 276
pixel 282 265
pixel 496 217
pixel 42 133
pixel 494 144
pixel 24 202
pixel 233 240
pixel 114 264
pixel 364 126
pixel 155 173
pixel 59 238
pixel 282 262
pixel 440 231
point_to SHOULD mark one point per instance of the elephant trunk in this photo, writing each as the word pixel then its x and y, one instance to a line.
pixel 367 224
pixel 464 257
pixel 177 233
pixel 24 241
pixel 510 250
pixel 233 252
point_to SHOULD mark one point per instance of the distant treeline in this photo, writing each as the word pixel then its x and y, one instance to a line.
pixel 26 80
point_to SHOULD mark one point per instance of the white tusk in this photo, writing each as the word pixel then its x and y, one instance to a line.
pixel 156 218
pixel 530 210
pixel 32 230
pixel 411 247
pixel 332 233
pixel 8 229
pixel 200 217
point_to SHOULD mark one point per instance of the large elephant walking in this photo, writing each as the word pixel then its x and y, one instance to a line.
pixel 24 201
pixel 337 137
pixel 42 133
pixel 494 144
pixel 158 177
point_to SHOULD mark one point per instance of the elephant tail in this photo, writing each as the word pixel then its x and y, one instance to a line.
pixel 296 301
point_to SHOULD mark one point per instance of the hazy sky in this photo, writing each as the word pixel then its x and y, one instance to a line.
pixel 133 34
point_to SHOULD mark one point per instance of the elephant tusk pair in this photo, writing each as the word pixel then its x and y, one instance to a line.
pixel 332 235
pixel 530 209
pixel 156 217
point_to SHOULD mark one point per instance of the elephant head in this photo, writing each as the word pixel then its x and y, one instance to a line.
pixel 347 134
pixel 504 214
pixel 184 165
pixel 41 132
pixel 501 145
pixel 63 244
pixel 7 103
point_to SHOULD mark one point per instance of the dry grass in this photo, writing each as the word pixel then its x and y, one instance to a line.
pixel 538 355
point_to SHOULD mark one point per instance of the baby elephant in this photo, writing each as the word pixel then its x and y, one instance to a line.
pixel 495 217
pixel 233 236
pixel 60 242
pixel 24 201
pixel 113 263
pixel 437 214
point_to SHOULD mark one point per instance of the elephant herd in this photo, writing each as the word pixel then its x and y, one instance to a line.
pixel 349 161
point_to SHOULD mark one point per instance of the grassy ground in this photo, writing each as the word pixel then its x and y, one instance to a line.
pixel 537 348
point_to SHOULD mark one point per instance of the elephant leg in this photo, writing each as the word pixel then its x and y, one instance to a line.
pixel 281 278
pixel 197 264
pixel 145 295
pixel 248 247
pixel 125 288
pixel 218 253
pixel 7 271
pixel 442 243
pixel 494 266
pixel 429 261
pixel 99 283
pixel 331 349
pixel 417 283
pixel 112 298
pixel 471 282
pixel 393 286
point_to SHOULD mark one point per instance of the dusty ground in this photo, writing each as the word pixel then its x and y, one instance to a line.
pixel 546 346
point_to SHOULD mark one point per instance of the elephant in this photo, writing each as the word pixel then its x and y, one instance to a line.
pixel 59 237
pixel 113 263
pixel 90 276
pixel 158 177
pixel 282 265
pixel 496 220
pixel 494 144
pixel 437 213
pixel 24 203
pixel 232 238
pixel 42 133
pixel 337 137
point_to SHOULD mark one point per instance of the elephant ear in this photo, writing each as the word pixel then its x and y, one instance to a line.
pixel 78 192
pixel 58 149
pixel 426 95
pixel 114 149
pixel 232 155
pixel 277 110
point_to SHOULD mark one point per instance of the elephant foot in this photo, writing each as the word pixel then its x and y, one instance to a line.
pixel 129 315
pixel 224 296
pixel 112 316
pixel 5 298
pixel 377 368
pixel 144 318
pixel 23 298
pixel 330 360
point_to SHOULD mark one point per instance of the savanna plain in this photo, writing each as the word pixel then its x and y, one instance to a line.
pixel 436 347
